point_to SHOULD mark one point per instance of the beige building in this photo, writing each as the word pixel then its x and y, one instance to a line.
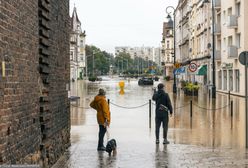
pixel 230 17
pixel 77 48
pixel 146 53
pixel 182 35
pixel 167 51
pixel 194 32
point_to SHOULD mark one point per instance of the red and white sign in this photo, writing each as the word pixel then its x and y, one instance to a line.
pixel 192 67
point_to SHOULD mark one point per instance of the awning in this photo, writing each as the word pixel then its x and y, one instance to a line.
pixel 202 70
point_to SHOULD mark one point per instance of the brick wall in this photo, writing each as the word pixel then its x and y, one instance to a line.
pixel 34 113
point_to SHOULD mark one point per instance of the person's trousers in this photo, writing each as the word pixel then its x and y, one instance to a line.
pixel 164 121
pixel 102 131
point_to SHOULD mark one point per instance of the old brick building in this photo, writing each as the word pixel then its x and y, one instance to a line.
pixel 34 57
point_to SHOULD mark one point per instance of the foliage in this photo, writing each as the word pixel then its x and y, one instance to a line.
pixel 102 61
pixel 121 63
pixel 192 87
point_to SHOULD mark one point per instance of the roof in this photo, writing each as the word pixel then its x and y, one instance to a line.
pixel 74 15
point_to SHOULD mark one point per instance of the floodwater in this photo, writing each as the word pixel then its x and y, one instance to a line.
pixel 210 138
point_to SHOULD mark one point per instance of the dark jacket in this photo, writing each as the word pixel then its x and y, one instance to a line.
pixel 161 97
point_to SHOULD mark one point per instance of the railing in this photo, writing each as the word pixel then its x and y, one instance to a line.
pixel 190 104
pixel 217 28
pixel 232 52
pixel 217 4
pixel 218 55
pixel 232 21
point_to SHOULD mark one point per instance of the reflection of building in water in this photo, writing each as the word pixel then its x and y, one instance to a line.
pixel 77 116
pixel 211 128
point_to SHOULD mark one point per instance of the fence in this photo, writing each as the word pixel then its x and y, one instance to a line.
pixel 190 104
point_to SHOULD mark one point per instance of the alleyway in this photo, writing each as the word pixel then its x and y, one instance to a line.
pixel 210 139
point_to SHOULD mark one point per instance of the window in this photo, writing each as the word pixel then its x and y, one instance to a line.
pixel 230 41
pixel 71 55
pixel 238 40
pixel 224 44
pixel 219 80
pixel 230 80
pixel 224 17
pixel 225 79
pixel 229 11
pixel 237 6
pixel 237 82
pixel 168 44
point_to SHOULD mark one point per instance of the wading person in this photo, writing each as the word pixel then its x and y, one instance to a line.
pixel 163 108
pixel 103 116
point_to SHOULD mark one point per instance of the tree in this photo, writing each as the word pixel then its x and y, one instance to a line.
pixel 102 61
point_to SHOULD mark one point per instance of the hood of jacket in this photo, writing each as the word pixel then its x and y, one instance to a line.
pixel 101 106
pixel 161 93
pixel 99 98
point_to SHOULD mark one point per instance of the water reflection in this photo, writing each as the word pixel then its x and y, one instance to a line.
pixel 161 156
pixel 104 161
pixel 213 128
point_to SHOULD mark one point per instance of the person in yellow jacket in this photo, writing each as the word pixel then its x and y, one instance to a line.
pixel 103 116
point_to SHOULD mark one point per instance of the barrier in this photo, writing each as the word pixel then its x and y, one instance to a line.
pixel 175 108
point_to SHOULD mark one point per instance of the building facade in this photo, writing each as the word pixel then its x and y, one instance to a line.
pixel 34 106
pixel 146 53
pixel 77 48
pixel 167 52
pixel 230 19
pixel 201 29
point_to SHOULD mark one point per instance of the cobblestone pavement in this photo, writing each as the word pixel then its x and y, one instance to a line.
pixel 210 139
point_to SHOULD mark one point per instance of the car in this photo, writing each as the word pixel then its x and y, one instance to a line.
pixel 145 81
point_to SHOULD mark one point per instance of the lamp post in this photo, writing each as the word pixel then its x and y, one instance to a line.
pixel 213 48
pixel 93 63
pixel 172 24
pixel 213 59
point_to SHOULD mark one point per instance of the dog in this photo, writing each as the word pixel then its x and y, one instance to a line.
pixel 111 147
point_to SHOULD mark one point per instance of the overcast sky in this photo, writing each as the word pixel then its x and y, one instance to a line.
pixel 110 23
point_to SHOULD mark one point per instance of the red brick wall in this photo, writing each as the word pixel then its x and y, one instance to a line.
pixel 34 113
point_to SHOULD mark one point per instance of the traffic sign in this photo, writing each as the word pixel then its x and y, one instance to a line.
pixel 177 65
pixel 243 58
pixel 192 67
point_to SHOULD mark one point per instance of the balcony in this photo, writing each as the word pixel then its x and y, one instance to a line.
pixel 232 52
pixel 232 21
pixel 217 29
pixel 217 4
pixel 217 55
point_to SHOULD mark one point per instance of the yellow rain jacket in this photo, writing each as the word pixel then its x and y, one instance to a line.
pixel 101 106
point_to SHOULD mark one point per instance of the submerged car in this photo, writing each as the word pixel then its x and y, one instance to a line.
pixel 145 81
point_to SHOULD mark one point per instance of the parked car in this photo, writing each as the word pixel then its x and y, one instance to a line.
pixel 156 78
pixel 145 81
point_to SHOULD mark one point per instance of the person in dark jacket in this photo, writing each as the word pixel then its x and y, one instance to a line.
pixel 162 114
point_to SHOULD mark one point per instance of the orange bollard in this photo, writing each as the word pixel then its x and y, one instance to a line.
pixel 122 85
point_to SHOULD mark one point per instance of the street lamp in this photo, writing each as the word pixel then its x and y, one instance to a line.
pixel 213 48
pixel 172 24
pixel 93 64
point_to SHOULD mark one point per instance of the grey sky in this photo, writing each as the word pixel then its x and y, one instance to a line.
pixel 110 23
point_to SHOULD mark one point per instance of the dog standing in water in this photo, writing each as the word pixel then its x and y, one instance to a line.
pixel 111 147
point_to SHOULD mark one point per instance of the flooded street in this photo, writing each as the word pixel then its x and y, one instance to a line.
pixel 210 138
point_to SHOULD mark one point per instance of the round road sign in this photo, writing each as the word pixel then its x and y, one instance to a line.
pixel 192 67
pixel 243 58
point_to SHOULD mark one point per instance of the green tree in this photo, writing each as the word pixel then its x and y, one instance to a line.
pixel 102 61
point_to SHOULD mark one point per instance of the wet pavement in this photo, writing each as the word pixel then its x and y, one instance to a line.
pixel 211 138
